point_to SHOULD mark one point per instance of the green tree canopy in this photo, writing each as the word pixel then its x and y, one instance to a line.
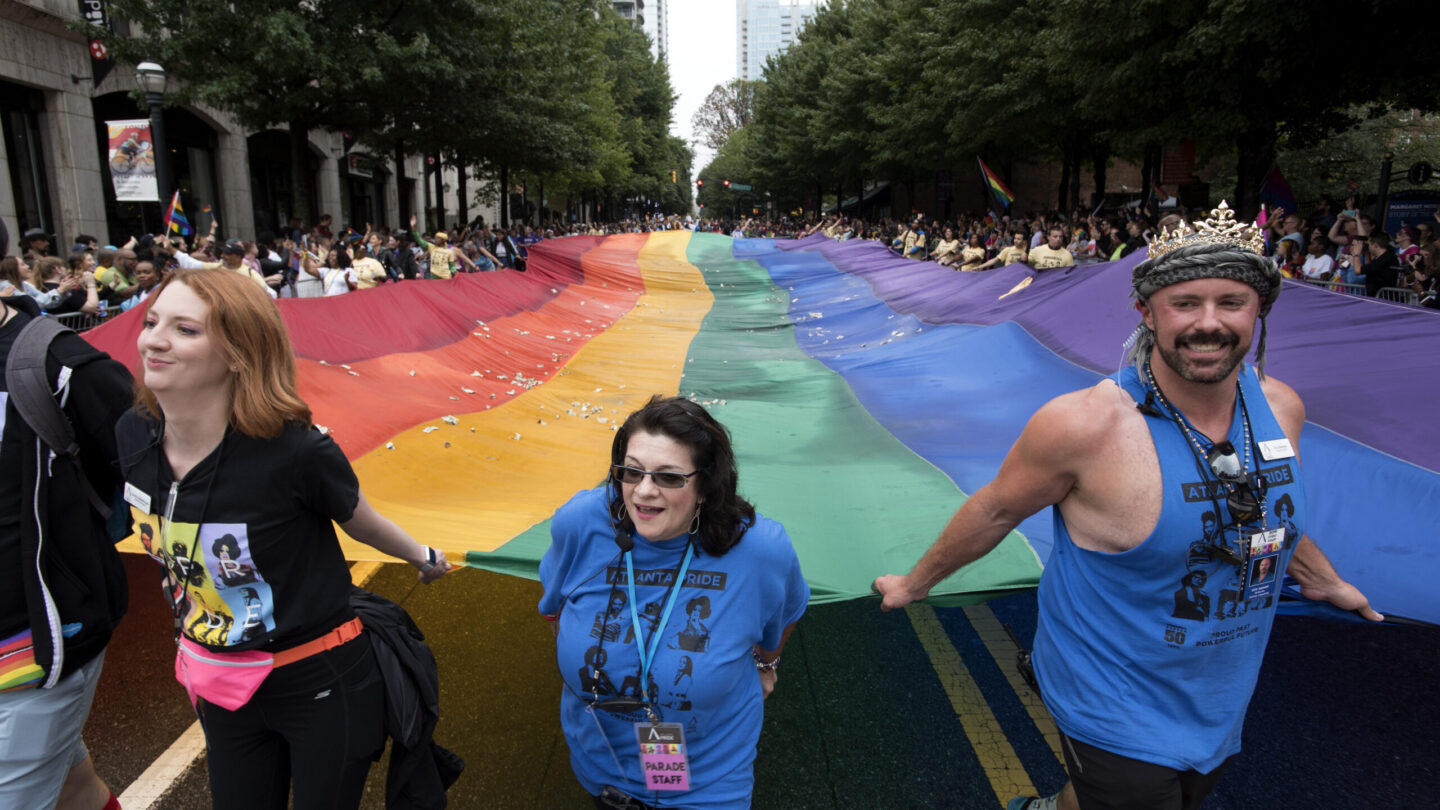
pixel 891 89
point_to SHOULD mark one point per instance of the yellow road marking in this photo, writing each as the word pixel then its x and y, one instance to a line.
pixel 361 572
pixel 998 642
pixel 1007 774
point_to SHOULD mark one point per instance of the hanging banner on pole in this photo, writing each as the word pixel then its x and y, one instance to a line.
pixel 132 161
pixel 94 13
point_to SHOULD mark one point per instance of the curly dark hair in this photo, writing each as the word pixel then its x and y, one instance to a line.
pixel 724 515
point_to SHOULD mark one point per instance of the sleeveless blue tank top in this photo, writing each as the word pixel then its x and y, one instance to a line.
pixel 1153 653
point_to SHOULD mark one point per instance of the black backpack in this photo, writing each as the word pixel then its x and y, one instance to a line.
pixel 29 389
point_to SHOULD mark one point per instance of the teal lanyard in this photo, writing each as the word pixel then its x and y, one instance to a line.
pixel 647 651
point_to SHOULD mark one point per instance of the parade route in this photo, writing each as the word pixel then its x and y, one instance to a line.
pixel 913 709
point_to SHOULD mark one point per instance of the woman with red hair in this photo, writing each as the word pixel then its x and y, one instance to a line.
pixel 224 466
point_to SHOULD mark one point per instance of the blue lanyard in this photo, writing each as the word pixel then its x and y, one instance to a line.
pixel 647 651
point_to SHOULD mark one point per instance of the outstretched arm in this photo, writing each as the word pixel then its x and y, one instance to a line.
pixel 1039 470
pixel 380 533
pixel 1319 581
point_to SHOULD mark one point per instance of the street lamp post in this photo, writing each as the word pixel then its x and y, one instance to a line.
pixel 151 78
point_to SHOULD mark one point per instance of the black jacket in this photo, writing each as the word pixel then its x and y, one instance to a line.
pixel 73 580
pixel 404 263
pixel 420 771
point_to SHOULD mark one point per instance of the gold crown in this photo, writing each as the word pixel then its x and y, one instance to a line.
pixel 1219 228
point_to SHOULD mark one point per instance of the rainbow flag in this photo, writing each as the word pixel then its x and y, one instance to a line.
pixel 175 221
pixel 1002 192
pixel 867 394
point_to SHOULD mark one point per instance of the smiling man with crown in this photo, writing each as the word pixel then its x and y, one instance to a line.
pixel 1153 621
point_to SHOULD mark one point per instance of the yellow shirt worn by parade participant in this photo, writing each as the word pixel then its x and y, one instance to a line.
pixel 440 262
pixel 971 258
pixel 1045 258
pixel 369 272
pixel 946 249
pixel 1011 255
pixel 441 259
pixel 914 245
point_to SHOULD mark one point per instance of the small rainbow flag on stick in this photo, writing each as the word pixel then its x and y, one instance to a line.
pixel 1002 192
pixel 175 221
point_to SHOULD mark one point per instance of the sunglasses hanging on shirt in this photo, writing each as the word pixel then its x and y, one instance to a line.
pixel 1246 494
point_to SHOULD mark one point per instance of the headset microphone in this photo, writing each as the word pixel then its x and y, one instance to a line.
pixel 1148 406
pixel 622 537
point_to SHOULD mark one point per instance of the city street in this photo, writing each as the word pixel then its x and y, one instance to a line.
pixel 865 714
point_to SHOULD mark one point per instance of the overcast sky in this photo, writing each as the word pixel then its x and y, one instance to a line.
pixel 702 55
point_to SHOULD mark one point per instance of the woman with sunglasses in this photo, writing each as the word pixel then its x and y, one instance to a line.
pixel 238 491
pixel 706 592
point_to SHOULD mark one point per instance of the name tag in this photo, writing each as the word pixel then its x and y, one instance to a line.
pixel 1276 449
pixel 137 498
pixel 662 756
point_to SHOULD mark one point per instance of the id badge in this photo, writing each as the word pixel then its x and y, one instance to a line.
pixel 1263 570
pixel 662 756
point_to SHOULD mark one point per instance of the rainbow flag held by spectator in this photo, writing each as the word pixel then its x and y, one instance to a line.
pixel 1002 192
pixel 175 221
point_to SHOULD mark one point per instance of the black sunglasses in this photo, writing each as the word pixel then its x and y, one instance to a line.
pixel 1246 491
pixel 668 480
pixel 620 705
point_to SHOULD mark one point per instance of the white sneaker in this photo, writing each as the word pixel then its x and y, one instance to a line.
pixel 1034 803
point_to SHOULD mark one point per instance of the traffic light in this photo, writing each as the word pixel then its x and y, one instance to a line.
pixel 727 183
pixel 672 176
pixel 699 182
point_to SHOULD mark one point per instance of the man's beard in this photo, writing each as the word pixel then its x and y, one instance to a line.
pixel 1209 374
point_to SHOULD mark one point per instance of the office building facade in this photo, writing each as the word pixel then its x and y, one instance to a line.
pixel 764 28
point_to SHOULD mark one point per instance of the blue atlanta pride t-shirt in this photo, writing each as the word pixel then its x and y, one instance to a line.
pixel 703 676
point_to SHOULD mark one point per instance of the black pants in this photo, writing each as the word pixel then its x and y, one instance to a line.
pixel 1105 780
pixel 615 800
pixel 319 721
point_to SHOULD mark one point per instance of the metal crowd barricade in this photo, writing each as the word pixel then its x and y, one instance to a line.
pixel 79 321
pixel 1399 295
pixel 1338 286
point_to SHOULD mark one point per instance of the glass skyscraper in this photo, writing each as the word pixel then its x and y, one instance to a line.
pixel 764 28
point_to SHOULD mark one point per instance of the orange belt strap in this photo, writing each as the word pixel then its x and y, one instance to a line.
pixel 346 632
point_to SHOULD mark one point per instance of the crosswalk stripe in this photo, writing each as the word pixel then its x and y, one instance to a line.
pixel 1007 775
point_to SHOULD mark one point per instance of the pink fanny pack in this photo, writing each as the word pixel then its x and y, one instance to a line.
pixel 229 679
pixel 226 679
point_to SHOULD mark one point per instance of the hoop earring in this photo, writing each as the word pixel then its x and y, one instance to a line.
pixel 695 524
pixel 617 514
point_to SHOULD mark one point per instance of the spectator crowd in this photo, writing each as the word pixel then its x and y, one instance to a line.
pixel 1340 247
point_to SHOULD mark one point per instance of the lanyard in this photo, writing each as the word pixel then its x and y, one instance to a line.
pixel 647 651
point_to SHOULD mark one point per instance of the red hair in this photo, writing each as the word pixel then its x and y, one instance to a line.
pixel 251 335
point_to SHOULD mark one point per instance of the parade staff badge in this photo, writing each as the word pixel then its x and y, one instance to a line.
pixel 1264 569
pixel 662 756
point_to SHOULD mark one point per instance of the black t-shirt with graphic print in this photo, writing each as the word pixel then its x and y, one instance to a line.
pixel 252 545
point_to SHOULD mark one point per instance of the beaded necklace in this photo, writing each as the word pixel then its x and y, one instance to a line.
pixel 1200 451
